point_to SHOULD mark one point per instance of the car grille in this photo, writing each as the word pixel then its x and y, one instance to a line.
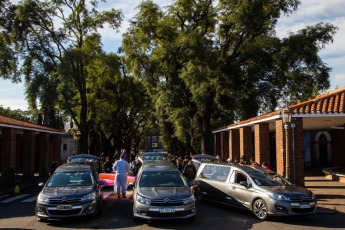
pixel 303 210
pixel 64 200
pixel 175 214
pixel 166 202
pixel 301 199
pixel 64 212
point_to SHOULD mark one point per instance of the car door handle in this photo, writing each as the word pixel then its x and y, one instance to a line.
pixel 233 188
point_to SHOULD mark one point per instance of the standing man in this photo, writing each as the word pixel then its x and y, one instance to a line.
pixel 121 167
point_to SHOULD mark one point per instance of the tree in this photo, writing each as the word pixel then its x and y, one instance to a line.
pixel 202 61
pixel 52 43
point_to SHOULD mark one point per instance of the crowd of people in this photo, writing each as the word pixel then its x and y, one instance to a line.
pixel 243 161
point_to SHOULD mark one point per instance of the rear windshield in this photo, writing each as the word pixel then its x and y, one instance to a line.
pixel 265 179
pixel 62 179
pixel 162 179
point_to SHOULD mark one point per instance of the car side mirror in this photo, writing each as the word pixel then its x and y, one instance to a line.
pixel 131 185
pixel 245 184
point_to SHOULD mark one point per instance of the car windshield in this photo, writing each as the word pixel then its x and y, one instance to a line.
pixel 162 179
pixel 265 179
pixel 62 179
pixel 82 160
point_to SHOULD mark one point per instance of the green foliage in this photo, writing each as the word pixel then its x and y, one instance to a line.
pixel 205 63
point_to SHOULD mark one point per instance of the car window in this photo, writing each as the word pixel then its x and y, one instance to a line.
pixel 264 179
pixel 240 177
pixel 161 179
pixel 215 172
pixel 70 179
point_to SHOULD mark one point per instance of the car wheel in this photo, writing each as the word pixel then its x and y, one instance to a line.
pixel 99 209
pixel 198 196
pixel 260 209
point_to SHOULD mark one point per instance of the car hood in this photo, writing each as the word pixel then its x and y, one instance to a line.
pixel 56 192
pixel 165 192
pixel 289 191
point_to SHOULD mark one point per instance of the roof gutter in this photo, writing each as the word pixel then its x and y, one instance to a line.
pixel 311 115
pixel 31 129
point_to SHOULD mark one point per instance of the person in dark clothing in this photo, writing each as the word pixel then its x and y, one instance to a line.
pixel 179 164
pixel 107 165
pixel 189 171
pixel 136 164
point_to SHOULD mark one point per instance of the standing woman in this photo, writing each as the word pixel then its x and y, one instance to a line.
pixel 121 167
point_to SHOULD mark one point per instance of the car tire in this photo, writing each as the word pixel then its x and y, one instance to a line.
pixel 198 196
pixel 136 220
pixel 260 209
pixel 99 209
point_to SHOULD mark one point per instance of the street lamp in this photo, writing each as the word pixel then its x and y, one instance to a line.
pixel 286 117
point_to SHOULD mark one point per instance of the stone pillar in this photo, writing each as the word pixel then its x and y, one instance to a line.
pixel 8 151
pixel 298 152
pixel 44 154
pixel 280 147
pixel 216 137
pixel 246 143
pixel 29 153
pixel 224 150
pixel 234 144
pixel 262 143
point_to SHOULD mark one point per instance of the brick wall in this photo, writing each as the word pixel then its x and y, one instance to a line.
pixel 224 150
pixel 246 142
pixel 262 143
pixel 280 147
pixel 234 144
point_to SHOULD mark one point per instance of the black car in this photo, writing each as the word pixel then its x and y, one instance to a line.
pixel 73 190
pixel 148 156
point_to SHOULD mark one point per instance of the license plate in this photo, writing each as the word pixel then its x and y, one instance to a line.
pixel 166 210
pixel 63 207
pixel 304 206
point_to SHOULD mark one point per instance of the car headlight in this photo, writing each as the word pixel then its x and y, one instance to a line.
pixel 42 199
pixel 276 196
pixel 90 196
pixel 143 200
pixel 188 200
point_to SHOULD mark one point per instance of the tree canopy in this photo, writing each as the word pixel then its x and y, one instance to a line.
pixel 209 63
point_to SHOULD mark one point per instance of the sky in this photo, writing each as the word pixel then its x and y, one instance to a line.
pixel 310 12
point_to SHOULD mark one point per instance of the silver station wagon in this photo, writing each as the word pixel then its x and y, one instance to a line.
pixel 260 190
pixel 160 192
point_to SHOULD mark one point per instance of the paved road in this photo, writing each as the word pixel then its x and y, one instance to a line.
pixel 19 214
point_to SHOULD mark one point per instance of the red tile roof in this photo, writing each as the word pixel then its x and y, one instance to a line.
pixel 6 121
pixel 326 103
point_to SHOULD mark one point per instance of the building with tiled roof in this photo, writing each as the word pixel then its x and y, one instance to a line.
pixel 27 148
pixel 315 141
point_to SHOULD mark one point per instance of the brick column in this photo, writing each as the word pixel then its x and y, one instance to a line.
pixel 246 142
pixel 224 150
pixel 280 147
pixel 262 143
pixel 44 154
pixel 55 148
pixel 234 144
pixel 217 146
pixel 29 153
pixel 8 157
pixel 299 152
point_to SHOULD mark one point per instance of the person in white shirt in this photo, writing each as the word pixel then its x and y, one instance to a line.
pixel 121 167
